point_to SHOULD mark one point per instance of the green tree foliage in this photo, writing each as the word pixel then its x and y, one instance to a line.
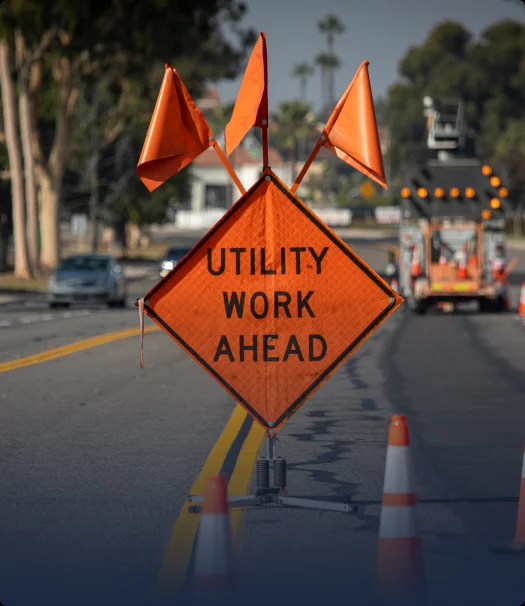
pixel 292 122
pixel 115 51
pixel 488 74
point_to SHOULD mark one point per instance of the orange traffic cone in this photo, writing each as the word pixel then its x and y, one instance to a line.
pixel 519 538
pixel 518 545
pixel 521 307
pixel 442 256
pixel 416 262
pixel 214 547
pixel 400 570
pixel 462 267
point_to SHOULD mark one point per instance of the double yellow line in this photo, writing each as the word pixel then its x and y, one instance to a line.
pixel 180 547
pixel 234 454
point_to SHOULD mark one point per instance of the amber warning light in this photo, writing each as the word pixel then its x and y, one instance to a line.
pixel 405 192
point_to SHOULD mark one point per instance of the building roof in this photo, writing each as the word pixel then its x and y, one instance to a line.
pixel 239 157
pixel 210 99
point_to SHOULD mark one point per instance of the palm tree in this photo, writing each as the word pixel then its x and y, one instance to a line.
pixel 328 63
pixel 331 26
pixel 302 71
pixel 292 122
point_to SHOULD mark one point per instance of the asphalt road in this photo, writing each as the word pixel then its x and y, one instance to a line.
pixel 97 458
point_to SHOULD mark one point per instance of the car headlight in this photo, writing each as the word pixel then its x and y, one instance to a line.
pixel 168 265
pixel 390 269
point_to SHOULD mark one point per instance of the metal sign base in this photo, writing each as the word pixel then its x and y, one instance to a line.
pixel 275 495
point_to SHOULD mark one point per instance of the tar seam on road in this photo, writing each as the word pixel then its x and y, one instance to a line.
pixel 65 350
pixel 233 454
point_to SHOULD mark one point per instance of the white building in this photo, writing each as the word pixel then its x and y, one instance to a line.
pixel 212 186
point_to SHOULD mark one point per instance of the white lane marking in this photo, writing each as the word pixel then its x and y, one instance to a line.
pixel 47 317
pixel 29 319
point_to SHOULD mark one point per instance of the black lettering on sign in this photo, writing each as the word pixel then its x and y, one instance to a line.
pixel 279 294
pixel 223 262
pixel 252 347
pixel 311 348
pixel 264 271
pixel 318 258
pixel 234 301
pixel 304 303
pixel 223 349
pixel 253 309
pixel 267 347
pixel 317 348
pixel 237 252
pixel 298 252
pixel 293 348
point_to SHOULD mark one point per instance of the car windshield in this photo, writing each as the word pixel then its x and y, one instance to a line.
pixel 84 264
pixel 176 253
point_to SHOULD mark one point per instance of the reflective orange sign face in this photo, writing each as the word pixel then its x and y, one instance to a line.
pixel 270 302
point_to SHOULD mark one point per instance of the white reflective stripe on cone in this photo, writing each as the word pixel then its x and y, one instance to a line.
pixel 214 548
pixel 398 522
pixel 399 476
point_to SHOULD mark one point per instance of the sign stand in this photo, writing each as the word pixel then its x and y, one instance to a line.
pixel 275 494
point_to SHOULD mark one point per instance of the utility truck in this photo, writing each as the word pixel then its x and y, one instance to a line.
pixel 452 227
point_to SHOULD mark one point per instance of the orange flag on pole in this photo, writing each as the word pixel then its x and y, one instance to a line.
pixel 177 134
pixel 351 131
pixel 251 106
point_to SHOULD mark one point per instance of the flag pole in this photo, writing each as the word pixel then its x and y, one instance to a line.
pixel 307 164
pixel 265 106
pixel 228 166
pixel 328 127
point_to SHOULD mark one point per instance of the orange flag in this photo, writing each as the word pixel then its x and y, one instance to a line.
pixel 351 131
pixel 251 106
pixel 177 134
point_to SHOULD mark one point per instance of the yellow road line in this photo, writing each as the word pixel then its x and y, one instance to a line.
pixel 65 350
pixel 180 545
pixel 240 480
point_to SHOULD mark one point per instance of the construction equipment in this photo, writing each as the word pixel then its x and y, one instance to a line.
pixel 452 241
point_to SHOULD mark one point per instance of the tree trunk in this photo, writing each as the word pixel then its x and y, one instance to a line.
pixel 29 166
pixel 5 237
pixel 22 269
pixel 121 234
pixel 50 173
pixel 303 88
pixel 49 208
pixel 331 93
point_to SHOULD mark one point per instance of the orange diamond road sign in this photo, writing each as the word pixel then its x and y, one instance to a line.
pixel 270 302
pixel 367 190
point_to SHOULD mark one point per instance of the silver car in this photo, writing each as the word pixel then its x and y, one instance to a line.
pixel 87 278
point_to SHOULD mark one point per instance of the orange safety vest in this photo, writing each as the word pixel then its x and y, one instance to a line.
pixel 498 267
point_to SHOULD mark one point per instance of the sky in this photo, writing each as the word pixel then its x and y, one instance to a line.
pixel 379 31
